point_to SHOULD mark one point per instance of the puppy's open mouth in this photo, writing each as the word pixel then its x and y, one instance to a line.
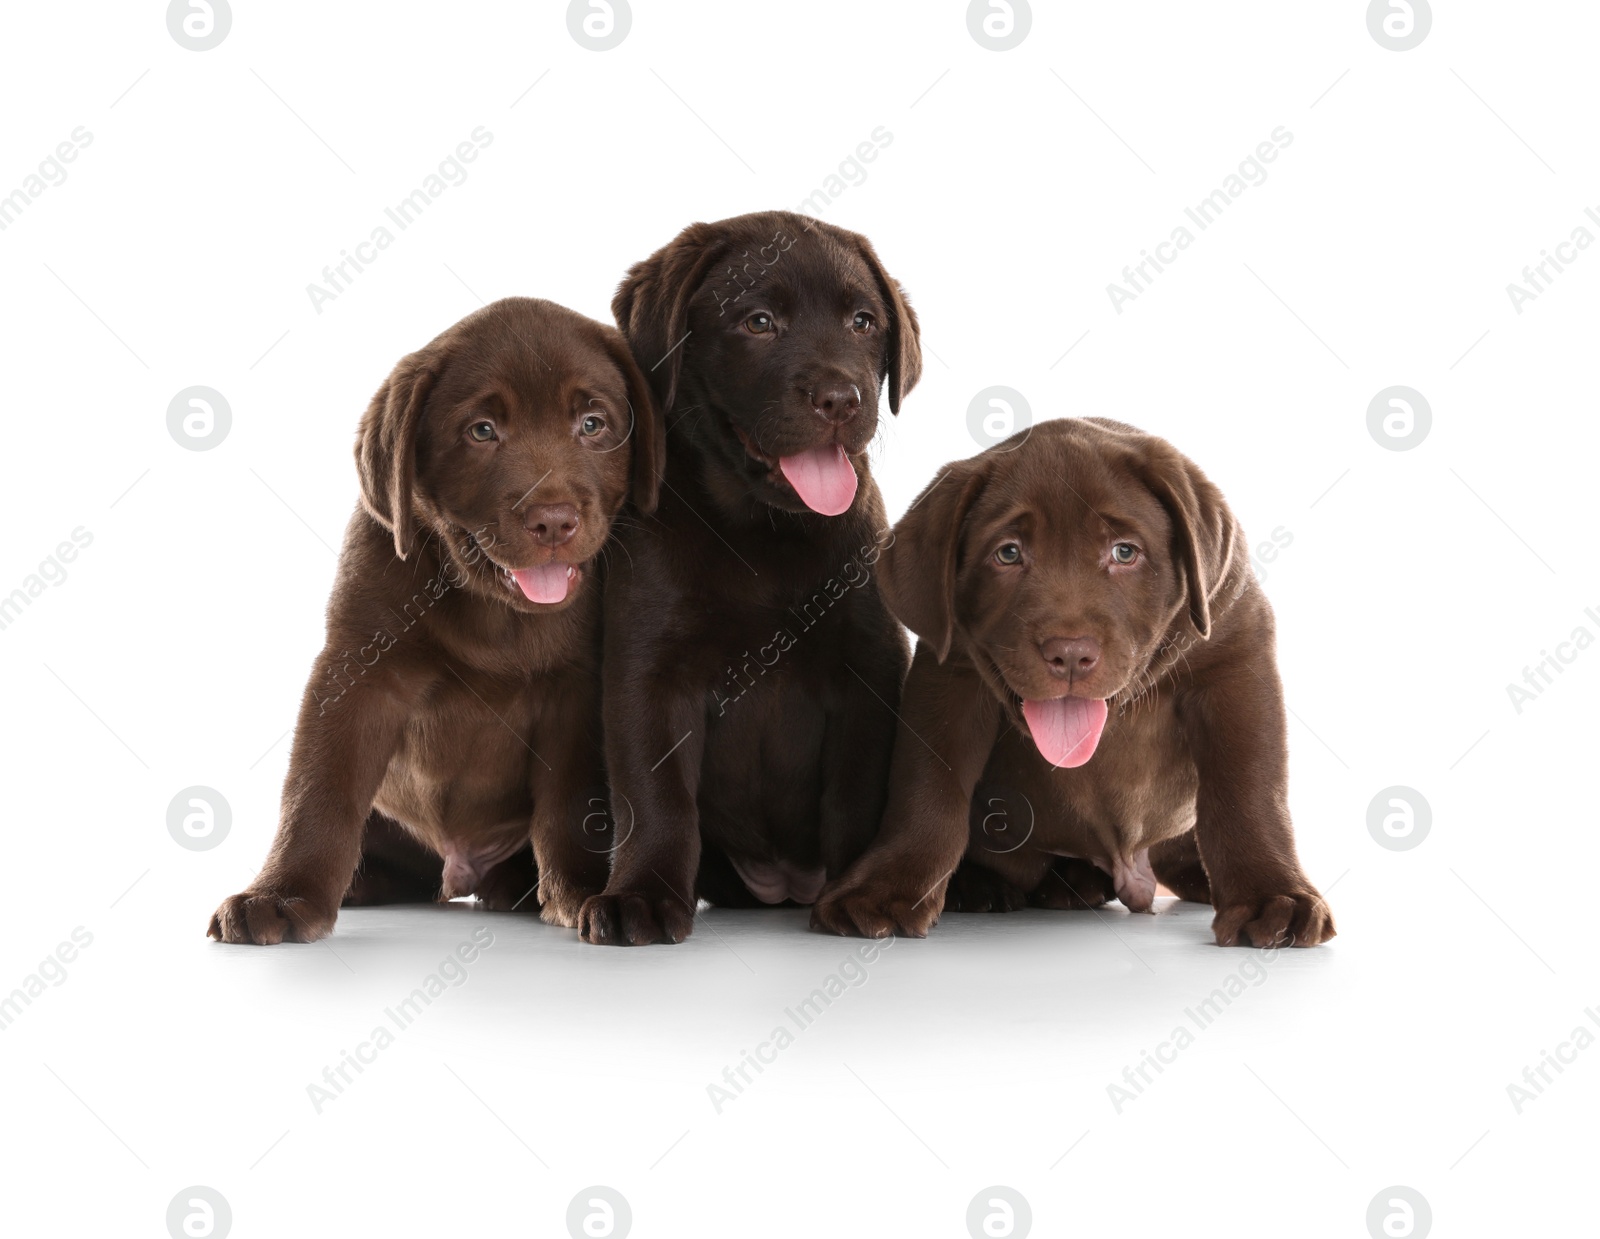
pixel 546 583
pixel 550 582
pixel 822 477
pixel 1066 730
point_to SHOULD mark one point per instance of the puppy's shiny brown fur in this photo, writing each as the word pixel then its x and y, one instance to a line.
pixel 450 714
pixel 751 669
pixel 1008 570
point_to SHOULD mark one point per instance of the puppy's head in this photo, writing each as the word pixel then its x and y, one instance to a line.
pixel 512 440
pixel 767 339
pixel 1062 562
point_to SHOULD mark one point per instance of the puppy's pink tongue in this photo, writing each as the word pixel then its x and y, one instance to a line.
pixel 546 584
pixel 1066 729
pixel 822 478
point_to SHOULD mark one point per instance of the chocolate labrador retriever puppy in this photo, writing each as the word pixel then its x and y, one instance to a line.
pixel 1094 703
pixel 751 670
pixel 455 710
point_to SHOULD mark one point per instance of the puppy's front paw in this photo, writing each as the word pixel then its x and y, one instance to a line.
pixel 510 886
pixel 1300 918
pixel 634 918
pixel 266 917
pixel 872 909
pixel 1073 885
pixel 561 903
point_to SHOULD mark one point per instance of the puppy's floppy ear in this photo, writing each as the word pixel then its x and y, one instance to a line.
pixel 1203 529
pixel 904 334
pixel 917 571
pixel 386 446
pixel 652 305
pixel 648 431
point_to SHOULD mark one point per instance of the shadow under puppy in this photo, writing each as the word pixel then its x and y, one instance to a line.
pixel 751 669
pixel 454 714
pixel 1094 703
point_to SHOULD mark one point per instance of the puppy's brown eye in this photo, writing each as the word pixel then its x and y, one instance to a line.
pixel 1124 553
pixel 1009 554
pixel 591 425
pixel 481 431
pixel 758 324
pixel 863 321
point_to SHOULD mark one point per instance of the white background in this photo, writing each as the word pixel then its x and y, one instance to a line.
pixel 1017 185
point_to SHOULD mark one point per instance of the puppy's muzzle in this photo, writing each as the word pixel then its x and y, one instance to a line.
pixel 1070 658
pixel 551 524
pixel 835 401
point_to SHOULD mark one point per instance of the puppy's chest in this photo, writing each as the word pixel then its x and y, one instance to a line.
pixel 786 641
pixel 462 769
pixel 516 647
pixel 773 653
pixel 1138 789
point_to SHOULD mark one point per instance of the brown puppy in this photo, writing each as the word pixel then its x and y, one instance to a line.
pixel 751 669
pixel 454 712
pixel 1082 599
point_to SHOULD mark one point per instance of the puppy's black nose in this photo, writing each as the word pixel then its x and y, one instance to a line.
pixel 551 524
pixel 1070 657
pixel 836 401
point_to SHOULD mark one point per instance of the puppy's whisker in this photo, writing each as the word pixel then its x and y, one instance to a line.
pixel 683 411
